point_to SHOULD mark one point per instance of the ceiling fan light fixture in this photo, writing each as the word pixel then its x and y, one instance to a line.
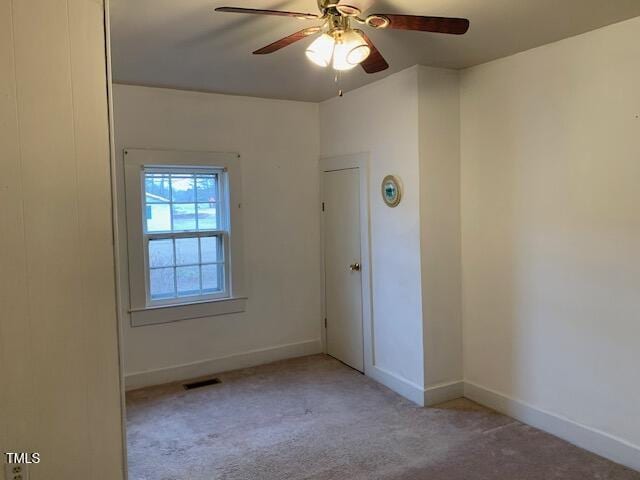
pixel 321 50
pixel 360 49
pixel 350 50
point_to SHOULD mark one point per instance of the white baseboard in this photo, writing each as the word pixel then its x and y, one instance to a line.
pixel 402 386
pixel 590 439
pixel 414 392
pixel 443 393
pixel 221 364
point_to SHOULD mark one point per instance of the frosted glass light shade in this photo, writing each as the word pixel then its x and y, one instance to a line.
pixel 350 50
pixel 321 50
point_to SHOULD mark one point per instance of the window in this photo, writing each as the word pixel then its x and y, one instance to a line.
pixel 186 233
pixel 184 245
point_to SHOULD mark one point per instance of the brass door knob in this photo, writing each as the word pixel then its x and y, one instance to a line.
pixel 354 267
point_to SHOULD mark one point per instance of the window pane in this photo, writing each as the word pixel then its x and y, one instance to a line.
pixel 187 251
pixel 206 188
pixel 184 216
pixel 158 217
pixel 211 249
pixel 156 188
pixel 161 253
pixel 212 279
pixel 188 281
pixel 207 216
pixel 182 188
pixel 161 283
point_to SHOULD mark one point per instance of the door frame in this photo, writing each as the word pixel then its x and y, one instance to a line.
pixel 358 161
pixel 113 159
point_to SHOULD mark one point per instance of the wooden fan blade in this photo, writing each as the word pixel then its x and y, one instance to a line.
pixel 455 26
pixel 375 62
pixel 283 42
pixel 280 13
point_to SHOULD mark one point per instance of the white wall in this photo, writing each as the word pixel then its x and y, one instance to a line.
pixel 551 228
pixel 58 330
pixel 381 119
pixel 278 143
pixel 439 130
pixel 409 125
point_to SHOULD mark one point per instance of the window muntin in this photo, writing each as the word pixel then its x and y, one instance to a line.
pixel 186 234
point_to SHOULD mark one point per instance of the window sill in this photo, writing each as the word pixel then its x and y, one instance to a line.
pixel 186 311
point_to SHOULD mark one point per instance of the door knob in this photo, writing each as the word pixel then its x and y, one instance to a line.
pixel 354 267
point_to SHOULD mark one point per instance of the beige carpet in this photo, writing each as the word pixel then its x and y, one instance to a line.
pixel 314 418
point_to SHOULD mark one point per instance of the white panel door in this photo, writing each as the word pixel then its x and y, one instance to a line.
pixel 343 282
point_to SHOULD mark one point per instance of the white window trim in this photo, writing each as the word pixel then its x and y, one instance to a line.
pixel 143 312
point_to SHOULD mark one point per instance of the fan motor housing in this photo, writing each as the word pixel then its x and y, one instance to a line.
pixel 335 8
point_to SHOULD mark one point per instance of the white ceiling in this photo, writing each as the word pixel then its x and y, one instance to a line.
pixel 185 44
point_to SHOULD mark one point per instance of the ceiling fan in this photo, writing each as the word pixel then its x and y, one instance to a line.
pixel 343 46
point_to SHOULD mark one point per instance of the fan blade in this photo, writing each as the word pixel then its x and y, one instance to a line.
pixel 455 26
pixel 286 41
pixel 375 62
pixel 280 13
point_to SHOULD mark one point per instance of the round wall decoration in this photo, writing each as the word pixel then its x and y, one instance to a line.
pixel 391 190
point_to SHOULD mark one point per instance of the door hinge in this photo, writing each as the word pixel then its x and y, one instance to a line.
pixel 325 323
pixel 323 206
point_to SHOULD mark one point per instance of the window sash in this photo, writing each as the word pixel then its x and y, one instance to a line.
pixel 222 214
pixel 181 300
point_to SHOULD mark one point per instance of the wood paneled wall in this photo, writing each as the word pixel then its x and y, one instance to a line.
pixel 60 390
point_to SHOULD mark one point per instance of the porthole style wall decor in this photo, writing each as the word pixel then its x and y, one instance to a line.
pixel 391 190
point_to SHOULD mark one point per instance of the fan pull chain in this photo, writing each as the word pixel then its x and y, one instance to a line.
pixel 337 79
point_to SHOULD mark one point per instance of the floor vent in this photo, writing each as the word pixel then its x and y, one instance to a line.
pixel 201 383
